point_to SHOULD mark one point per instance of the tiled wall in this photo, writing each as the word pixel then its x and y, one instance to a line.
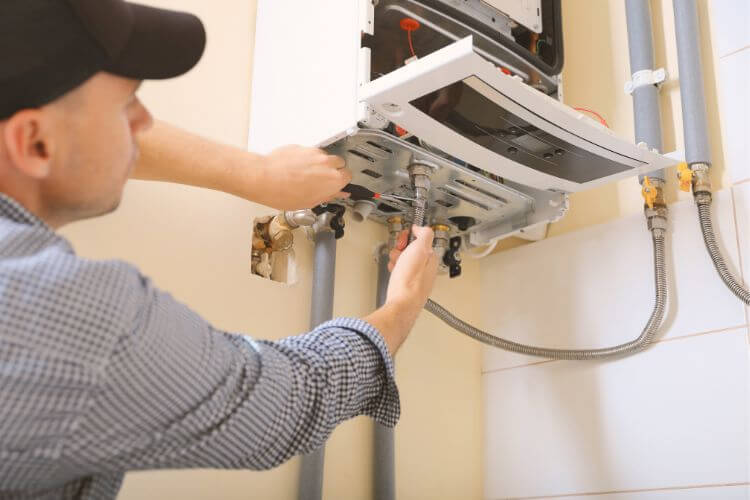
pixel 670 423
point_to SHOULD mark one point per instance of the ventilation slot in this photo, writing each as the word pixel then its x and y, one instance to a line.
pixel 482 191
pixel 362 155
pixel 380 147
pixel 372 173
pixel 385 208
pixel 460 196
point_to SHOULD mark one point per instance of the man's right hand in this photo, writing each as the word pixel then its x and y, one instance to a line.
pixel 299 177
pixel 413 271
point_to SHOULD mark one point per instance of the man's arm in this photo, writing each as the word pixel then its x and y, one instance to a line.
pixel 289 178
pixel 177 393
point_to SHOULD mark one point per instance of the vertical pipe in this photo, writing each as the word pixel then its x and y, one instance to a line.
pixel 321 310
pixel 646 98
pixel 687 30
pixel 384 465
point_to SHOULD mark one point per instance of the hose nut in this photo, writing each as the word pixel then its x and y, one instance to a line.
pixel 701 180
pixel 657 219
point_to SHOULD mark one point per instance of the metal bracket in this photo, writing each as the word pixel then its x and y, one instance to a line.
pixel 645 77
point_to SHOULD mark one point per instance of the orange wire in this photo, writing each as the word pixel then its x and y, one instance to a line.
pixel 411 47
pixel 597 115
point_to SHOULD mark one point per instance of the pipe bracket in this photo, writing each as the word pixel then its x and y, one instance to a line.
pixel 645 77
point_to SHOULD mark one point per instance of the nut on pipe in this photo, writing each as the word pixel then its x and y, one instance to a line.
pixel 280 234
pixel 701 182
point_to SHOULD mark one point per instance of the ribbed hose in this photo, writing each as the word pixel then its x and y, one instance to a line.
pixel 704 214
pixel 626 349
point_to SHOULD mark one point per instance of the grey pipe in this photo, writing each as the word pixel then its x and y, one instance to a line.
pixel 645 99
pixel 321 310
pixel 697 147
pixel 384 487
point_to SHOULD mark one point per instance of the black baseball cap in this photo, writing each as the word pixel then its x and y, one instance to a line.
pixel 50 47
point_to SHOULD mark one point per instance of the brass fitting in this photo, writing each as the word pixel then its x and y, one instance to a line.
pixel 395 226
pixel 701 183
pixel 440 244
pixel 280 234
pixel 655 208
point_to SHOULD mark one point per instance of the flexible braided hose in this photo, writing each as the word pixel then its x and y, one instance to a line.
pixel 707 228
pixel 628 348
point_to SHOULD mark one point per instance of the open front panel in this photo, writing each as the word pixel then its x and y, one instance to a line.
pixel 463 105
pixel 472 204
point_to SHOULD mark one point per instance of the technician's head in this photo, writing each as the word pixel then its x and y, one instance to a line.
pixel 69 116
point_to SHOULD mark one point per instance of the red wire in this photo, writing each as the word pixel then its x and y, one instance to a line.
pixel 411 47
pixel 601 119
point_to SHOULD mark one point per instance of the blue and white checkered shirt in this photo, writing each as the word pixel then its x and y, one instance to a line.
pixel 101 373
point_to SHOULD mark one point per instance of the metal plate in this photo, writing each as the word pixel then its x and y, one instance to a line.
pixel 379 162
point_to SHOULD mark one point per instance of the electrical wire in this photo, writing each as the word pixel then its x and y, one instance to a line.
pixel 597 115
pixel 411 45
pixel 484 253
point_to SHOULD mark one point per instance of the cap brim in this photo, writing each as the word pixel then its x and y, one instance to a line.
pixel 163 44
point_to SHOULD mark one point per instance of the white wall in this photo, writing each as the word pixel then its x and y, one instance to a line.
pixel 670 423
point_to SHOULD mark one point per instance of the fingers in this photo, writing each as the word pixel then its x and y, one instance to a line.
pixel 326 160
pixel 403 239
pixel 393 259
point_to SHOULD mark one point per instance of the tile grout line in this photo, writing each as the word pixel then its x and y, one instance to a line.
pixel 663 341
pixel 745 278
pixel 618 492
pixel 644 490
pixel 735 51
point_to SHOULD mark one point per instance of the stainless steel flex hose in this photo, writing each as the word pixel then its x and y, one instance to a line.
pixel 707 228
pixel 628 348
pixel 625 349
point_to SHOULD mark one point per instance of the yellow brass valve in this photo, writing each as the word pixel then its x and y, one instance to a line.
pixel 685 175
pixel 649 192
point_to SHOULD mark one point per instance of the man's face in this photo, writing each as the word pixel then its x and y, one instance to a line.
pixel 95 127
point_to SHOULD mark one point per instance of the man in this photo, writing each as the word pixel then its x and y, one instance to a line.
pixel 101 373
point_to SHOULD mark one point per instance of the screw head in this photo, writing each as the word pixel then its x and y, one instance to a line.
pixel 391 107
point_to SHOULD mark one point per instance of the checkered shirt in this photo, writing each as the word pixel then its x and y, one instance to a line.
pixel 102 373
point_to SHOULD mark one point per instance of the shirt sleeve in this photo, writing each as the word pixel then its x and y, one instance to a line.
pixel 177 393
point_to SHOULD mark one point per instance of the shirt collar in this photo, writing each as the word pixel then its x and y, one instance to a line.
pixel 11 209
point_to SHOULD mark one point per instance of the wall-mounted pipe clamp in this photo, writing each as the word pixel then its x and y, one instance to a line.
pixel 645 77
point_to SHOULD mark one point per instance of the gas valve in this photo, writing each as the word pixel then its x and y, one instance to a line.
pixel 452 257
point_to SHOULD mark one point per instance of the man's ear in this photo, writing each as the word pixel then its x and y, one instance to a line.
pixel 28 143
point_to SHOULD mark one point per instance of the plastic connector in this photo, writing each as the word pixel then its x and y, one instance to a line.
pixel 685 176
pixel 649 192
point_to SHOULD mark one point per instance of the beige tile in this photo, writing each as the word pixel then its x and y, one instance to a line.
pixel 674 416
